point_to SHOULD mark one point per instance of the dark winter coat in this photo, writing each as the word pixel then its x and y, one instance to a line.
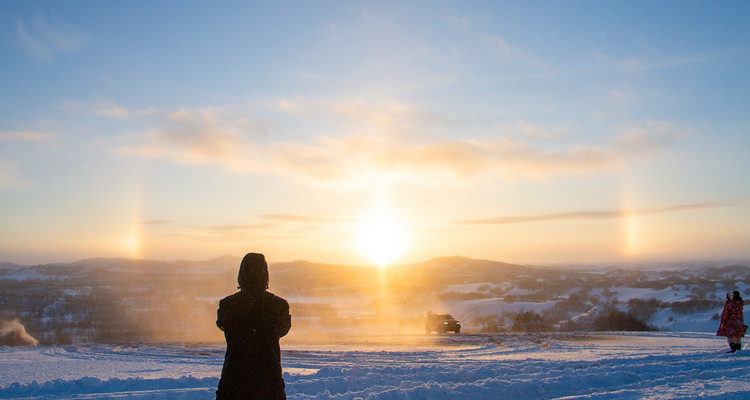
pixel 732 322
pixel 253 322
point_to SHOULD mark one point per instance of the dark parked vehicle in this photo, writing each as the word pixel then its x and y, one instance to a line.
pixel 441 323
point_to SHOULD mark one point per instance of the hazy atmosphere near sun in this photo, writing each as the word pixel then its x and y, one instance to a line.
pixel 366 132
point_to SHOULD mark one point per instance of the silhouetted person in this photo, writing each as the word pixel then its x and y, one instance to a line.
pixel 732 322
pixel 253 320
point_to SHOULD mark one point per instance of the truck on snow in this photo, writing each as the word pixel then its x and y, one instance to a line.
pixel 441 323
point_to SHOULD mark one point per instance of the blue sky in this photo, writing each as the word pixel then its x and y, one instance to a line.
pixel 541 131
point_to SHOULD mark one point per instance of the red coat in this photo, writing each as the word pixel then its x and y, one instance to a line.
pixel 732 323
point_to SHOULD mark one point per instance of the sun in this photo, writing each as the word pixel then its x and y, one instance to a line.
pixel 381 237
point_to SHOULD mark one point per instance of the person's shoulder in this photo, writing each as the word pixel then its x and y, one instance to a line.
pixel 276 299
pixel 230 299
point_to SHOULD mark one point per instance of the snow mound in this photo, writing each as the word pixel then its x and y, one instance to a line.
pixel 127 388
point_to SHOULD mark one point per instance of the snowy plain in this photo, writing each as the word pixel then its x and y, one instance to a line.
pixel 653 365
pixel 340 347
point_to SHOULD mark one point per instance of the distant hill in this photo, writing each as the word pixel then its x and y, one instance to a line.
pixel 8 265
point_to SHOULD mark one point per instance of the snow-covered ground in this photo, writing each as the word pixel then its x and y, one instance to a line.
pixel 656 365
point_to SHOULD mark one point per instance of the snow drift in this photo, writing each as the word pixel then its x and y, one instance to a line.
pixel 663 365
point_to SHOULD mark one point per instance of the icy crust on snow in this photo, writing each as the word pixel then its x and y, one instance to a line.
pixel 129 388
pixel 663 365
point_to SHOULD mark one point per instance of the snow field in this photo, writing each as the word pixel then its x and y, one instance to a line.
pixel 656 365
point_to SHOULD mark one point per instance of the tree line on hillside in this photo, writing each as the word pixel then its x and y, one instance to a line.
pixel 584 311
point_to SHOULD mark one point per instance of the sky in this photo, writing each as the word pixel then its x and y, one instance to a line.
pixel 383 132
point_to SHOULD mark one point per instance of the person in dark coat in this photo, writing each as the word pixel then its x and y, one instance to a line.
pixel 732 322
pixel 253 321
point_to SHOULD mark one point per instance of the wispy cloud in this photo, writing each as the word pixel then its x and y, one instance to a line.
pixel 157 222
pixel 44 38
pixel 234 230
pixel 646 137
pixel 377 159
pixel 375 144
pixel 205 136
pixel 597 214
pixel 511 53
pixel 9 175
pixel 26 136
pixel 262 226
pixel 100 107
pixel 286 217
pixel 303 219
pixel 637 63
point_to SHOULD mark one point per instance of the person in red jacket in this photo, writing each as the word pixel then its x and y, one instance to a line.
pixel 732 322
pixel 253 321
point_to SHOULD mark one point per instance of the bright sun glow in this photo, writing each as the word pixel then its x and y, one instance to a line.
pixel 381 238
